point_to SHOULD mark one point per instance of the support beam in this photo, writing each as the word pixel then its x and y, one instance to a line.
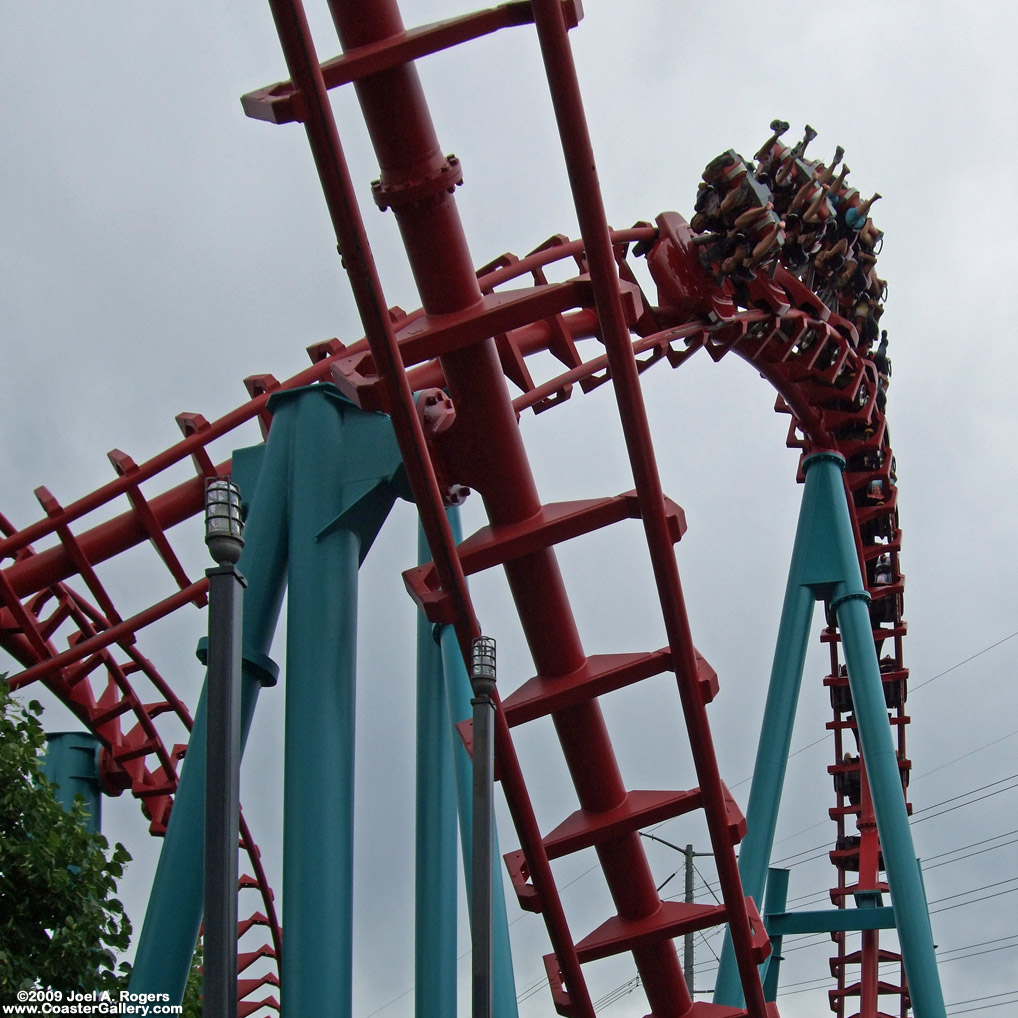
pixel 72 764
pixel 437 862
pixel 351 491
pixel 908 897
pixel 829 920
pixel 772 754
pixel 775 901
pixel 170 930
pixel 341 486
pixel 825 565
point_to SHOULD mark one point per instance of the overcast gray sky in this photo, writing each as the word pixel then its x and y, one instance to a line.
pixel 157 247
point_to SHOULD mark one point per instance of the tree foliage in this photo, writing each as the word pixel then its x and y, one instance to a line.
pixel 192 1001
pixel 61 925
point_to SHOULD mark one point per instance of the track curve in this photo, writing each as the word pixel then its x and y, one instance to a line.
pixel 472 333
pixel 826 387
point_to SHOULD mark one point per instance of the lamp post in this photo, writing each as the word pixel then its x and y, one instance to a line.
pixel 482 681
pixel 225 541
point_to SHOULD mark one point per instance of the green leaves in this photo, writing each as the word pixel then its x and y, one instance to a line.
pixel 60 925
pixel 192 1002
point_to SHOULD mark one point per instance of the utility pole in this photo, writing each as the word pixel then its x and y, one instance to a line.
pixel 688 959
pixel 688 956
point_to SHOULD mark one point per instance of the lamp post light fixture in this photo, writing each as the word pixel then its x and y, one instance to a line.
pixel 482 666
pixel 224 528
pixel 482 681
pixel 224 536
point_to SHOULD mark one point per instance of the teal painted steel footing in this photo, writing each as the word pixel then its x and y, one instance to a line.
pixel 437 862
pixel 825 565
pixel 72 764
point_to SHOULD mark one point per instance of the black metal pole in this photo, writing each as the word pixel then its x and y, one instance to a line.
pixel 222 754
pixel 482 680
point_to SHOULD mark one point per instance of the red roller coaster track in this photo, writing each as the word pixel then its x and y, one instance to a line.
pixel 476 330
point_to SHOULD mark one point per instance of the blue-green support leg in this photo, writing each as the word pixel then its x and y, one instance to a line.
pixel 318 503
pixel 72 764
pixel 341 489
pixel 170 930
pixel 775 900
pixel 458 694
pixel 825 563
pixel 318 784
pixel 908 898
pixel 772 753
pixel 437 865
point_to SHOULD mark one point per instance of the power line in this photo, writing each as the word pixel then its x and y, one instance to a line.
pixel 379 1010
pixel 951 809
pixel 972 657
pixel 983 1007
pixel 962 904
pixel 973 844
pixel 976 1000
pixel 617 994
pixel 826 847
pixel 981 943
pixel 961 795
pixel 821 850
pixel 969 855
pixel 965 756
pixel 705 884
pixel 976 954
pixel 974 890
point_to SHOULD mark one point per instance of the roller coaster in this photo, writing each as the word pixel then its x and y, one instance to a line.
pixel 776 266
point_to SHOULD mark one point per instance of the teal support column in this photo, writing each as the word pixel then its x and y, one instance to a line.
pixel 772 752
pixel 908 898
pixel 825 565
pixel 458 695
pixel 342 485
pixel 458 701
pixel 850 602
pixel 170 929
pixel 72 764
pixel 321 650
pixel 316 506
pixel 437 863
pixel 774 901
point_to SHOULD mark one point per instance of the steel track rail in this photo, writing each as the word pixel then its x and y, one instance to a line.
pixel 810 357
pixel 765 339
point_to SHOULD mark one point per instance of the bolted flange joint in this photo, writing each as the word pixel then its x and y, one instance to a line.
pixel 445 179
